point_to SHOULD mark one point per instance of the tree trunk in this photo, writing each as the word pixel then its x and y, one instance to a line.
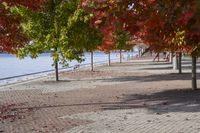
pixel 56 71
pixel 92 61
pixel 180 63
pixel 133 54
pixel 175 62
pixel 171 58
pixel 56 67
pixel 158 57
pixel 109 62
pixel 120 55
pixel 194 78
pixel 139 53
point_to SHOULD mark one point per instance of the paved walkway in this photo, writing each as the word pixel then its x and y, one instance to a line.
pixel 138 121
pixel 138 96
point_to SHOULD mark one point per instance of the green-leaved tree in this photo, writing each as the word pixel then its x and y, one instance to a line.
pixel 55 28
pixel 81 33
pixel 121 38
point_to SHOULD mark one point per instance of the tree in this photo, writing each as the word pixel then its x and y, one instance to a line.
pixel 180 28
pixel 81 34
pixel 106 20
pixel 191 26
pixel 163 25
pixel 121 38
pixel 186 31
pixel 50 29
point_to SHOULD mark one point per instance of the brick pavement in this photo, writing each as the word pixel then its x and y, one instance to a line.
pixel 136 96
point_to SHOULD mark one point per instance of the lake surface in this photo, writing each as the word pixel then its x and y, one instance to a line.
pixel 11 66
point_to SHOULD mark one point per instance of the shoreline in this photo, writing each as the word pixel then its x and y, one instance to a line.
pixel 20 79
pixel 15 67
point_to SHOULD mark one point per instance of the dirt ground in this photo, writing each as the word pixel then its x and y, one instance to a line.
pixel 47 106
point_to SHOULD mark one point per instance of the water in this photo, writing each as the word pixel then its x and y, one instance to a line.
pixel 13 67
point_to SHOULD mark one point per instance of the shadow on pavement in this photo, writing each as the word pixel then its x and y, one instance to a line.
pixel 184 100
pixel 150 78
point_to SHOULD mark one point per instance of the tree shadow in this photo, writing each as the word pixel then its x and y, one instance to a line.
pixel 163 67
pixel 132 63
pixel 184 100
pixel 169 68
pixel 52 81
pixel 117 64
pixel 45 106
pixel 150 78
pixel 159 68
pixel 160 63
pixel 177 100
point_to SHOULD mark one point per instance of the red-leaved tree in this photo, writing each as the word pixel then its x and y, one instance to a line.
pixel 11 36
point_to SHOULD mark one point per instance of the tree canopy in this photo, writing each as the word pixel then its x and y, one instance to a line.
pixel 71 27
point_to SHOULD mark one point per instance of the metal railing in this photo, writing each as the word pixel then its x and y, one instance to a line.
pixel 46 73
